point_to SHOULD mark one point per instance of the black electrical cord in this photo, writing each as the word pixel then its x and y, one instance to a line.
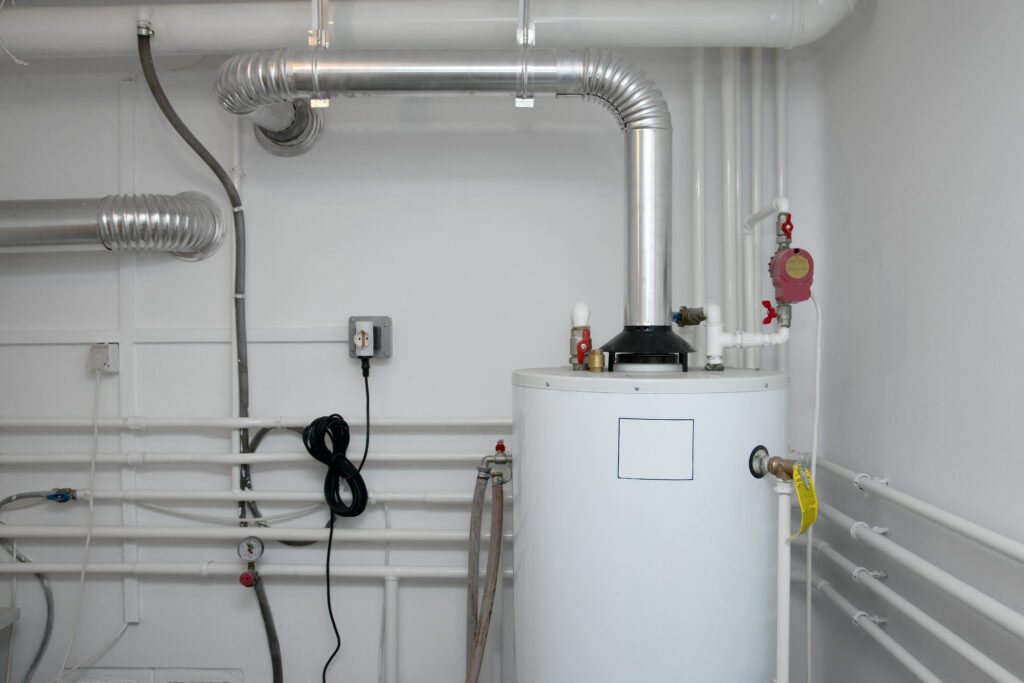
pixel 314 437
pixel 327 439
pixel 241 336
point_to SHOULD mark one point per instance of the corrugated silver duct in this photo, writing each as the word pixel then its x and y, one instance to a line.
pixel 250 84
pixel 188 225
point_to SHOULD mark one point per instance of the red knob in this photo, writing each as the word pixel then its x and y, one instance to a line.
pixel 770 310
pixel 787 226
pixel 247 579
pixel 583 347
pixel 500 446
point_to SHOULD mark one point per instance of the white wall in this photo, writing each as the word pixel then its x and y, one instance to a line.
pixel 922 111
pixel 474 224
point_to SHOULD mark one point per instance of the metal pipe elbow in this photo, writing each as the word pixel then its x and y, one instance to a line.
pixel 625 90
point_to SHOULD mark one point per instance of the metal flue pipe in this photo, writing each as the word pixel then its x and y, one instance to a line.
pixel 256 84
pixel 188 225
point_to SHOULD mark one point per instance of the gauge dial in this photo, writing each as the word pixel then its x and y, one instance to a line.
pixel 250 549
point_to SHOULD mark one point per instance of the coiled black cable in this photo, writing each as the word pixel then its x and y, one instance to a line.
pixel 340 468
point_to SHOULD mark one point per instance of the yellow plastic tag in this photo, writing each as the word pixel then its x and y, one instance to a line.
pixel 807 497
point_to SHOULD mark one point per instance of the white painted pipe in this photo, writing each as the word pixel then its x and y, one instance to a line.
pixel 700 249
pixel 135 423
pixel 951 640
pixel 741 261
pixel 137 459
pixel 782 599
pixel 223 27
pixel 864 622
pixel 378 497
pixel 233 569
pixel 730 295
pixel 717 339
pixel 777 206
pixel 972 597
pixel 391 629
pixel 756 178
pixel 781 160
pixel 975 532
pixel 228 533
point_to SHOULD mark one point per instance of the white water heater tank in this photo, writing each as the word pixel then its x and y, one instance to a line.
pixel 644 548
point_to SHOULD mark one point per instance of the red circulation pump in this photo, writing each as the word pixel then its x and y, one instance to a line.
pixel 792 273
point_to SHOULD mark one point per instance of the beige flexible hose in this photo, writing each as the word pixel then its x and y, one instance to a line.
pixel 490 582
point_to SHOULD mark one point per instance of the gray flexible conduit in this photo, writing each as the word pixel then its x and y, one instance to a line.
pixel 268 624
pixel 241 329
pixel 483 623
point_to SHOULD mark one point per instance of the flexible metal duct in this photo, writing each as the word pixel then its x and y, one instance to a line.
pixel 188 225
pixel 255 85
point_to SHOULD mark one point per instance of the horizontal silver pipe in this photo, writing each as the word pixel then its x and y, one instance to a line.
pixel 250 82
pixel 188 225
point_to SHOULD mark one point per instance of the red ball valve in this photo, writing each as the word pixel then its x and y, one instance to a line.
pixel 247 579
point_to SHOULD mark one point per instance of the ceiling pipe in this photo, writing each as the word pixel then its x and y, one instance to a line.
pixel 249 83
pixel 224 28
pixel 187 225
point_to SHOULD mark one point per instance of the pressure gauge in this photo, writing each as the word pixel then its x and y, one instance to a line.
pixel 250 549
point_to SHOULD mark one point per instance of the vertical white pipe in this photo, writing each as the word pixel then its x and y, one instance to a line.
pixel 785 491
pixel 391 629
pixel 729 221
pixel 127 387
pixel 741 300
pixel 700 251
pixel 756 178
pixel 781 160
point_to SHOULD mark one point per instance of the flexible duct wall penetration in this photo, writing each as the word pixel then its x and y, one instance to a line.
pixel 249 83
pixel 188 225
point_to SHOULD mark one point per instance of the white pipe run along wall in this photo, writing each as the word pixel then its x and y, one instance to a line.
pixel 231 27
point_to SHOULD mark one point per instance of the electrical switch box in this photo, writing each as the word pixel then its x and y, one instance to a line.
pixel 370 336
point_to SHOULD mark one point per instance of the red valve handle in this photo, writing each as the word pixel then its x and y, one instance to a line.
pixel 770 310
pixel 787 226
pixel 500 446
pixel 247 579
pixel 583 347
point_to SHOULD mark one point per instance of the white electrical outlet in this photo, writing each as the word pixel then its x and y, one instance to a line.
pixel 104 358
pixel 370 336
